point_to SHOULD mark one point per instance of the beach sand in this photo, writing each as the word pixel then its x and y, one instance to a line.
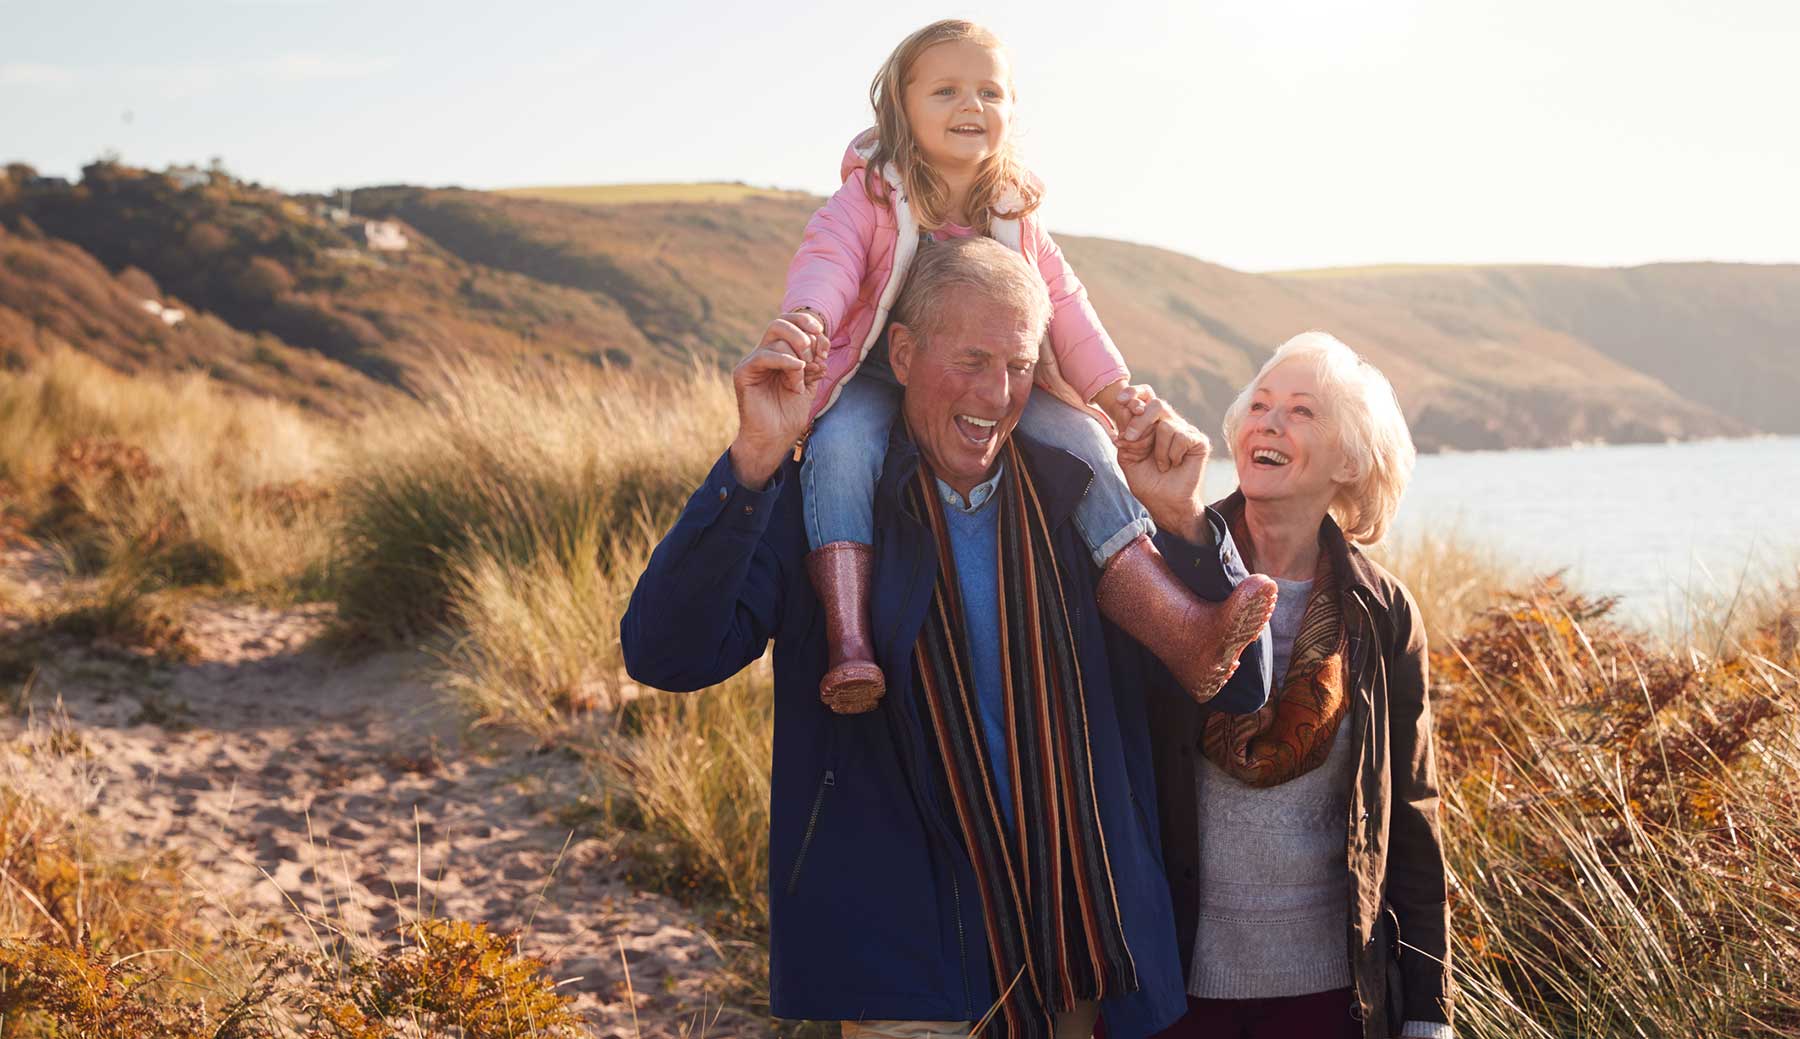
pixel 310 793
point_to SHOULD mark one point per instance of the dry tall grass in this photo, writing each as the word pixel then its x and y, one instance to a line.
pixel 167 480
pixel 513 464
pixel 1453 579
pixel 1621 817
pixel 1623 825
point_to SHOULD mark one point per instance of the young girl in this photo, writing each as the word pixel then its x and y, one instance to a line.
pixel 939 164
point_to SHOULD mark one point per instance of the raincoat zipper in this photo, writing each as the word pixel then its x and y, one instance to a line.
pixel 828 780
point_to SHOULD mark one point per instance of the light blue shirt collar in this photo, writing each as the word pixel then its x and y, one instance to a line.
pixel 982 493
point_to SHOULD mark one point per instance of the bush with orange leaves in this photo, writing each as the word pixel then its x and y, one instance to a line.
pixel 1622 825
pixel 444 978
pixel 448 977
pixel 104 944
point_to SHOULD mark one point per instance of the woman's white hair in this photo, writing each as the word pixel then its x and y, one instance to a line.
pixel 1363 410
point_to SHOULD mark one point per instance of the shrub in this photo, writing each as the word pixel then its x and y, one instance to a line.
pixel 514 465
pixel 264 280
pixel 1621 825
pixel 447 977
pixel 168 480
pixel 205 239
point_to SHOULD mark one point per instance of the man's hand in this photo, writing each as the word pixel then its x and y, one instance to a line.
pixel 1164 460
pixel 774 388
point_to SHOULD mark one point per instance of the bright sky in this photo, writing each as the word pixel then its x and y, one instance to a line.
pixel 1262 134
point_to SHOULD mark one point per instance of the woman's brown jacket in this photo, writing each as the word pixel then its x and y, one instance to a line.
pixel 1398 938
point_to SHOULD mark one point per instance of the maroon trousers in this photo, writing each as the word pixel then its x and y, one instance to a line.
pixel 1321 1015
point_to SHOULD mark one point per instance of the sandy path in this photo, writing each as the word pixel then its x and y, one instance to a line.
pixel 301 785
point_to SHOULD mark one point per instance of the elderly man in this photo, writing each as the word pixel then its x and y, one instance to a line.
pixel 983 840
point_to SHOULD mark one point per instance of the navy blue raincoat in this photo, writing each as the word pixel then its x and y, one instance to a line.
pixel 874 908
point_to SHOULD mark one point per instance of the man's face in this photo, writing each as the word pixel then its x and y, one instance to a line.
pixel 967 386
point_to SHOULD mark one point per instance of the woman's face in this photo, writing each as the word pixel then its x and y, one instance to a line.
pixel 958 102
pixel 1287 448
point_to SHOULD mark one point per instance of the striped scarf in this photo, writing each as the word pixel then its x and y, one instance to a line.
pixel 1053 927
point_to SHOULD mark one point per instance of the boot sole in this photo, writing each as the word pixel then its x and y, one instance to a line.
pixel 1248 610
pixel 853 688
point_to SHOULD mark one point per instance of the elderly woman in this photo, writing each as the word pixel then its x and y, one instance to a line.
pixel 1328 796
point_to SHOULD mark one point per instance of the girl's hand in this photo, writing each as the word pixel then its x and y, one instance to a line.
pixel 1116 401
pixel 1153 431
pixel 802 333
pixel 1163 458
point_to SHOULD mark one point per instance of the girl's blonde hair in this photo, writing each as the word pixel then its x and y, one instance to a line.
pixel 894 142
pixel 1371 429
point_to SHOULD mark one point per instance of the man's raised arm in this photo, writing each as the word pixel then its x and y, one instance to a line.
pixel 710 598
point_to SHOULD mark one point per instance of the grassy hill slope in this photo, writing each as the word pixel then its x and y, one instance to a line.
pixel 703 278
pixel 662 275
pixel 1728 335
pixel 1483 380
pixel 267 263
pixel 55 295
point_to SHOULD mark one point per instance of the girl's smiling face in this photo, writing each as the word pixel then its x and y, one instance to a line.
pixel 958 103
pixel 1287 447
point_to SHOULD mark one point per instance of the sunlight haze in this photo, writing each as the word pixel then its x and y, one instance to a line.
pixel 1261 134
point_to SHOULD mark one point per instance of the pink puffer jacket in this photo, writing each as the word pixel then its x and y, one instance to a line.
pixel 855 257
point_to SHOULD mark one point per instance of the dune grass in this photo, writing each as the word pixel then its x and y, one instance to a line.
pixel 1623 826
pixel 1453 579
pixel 1620 812
pixel 512 465
pixel 167 481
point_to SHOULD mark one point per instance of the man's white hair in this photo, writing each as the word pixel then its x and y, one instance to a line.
pixel 1001 276
pixel 1361 406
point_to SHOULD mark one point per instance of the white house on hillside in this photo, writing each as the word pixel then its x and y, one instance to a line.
pixel 384 236
pixel 188 177
pixel 170 316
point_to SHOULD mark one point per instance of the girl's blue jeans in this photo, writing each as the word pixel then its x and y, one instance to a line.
pixel 849 442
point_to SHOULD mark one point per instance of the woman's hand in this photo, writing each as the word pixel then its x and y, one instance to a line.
pixel 1157 433
pixel 1164 460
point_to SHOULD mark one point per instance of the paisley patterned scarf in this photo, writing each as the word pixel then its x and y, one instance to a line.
pixel 1292 735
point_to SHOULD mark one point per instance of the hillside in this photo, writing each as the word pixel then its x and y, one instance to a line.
pixel 1476 377
pixel 1727 335
pixel 53 293
pixel 273 265
pixel 1483 357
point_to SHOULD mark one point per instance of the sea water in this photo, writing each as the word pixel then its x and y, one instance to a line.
pixel 1659 525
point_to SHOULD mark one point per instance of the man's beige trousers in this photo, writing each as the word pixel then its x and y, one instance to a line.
pixel 1076 1024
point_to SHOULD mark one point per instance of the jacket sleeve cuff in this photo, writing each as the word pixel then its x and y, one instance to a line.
pixel 1212 571
pixel 1426 1030
pixel 817 306
pixel 1101 381
pixel 724 504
